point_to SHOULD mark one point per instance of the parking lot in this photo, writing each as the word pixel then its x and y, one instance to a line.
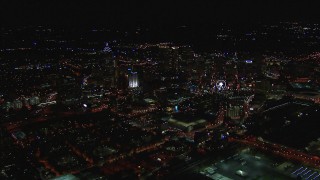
pixel 245 165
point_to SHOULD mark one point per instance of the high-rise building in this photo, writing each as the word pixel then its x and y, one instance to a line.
pixel 133 80
pixel 17 104
pixel 34 100
pixel 8 105
pixel 234 112
pixel 69 90
pixel 116 72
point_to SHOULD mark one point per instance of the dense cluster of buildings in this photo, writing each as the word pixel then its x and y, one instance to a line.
pixel 116 109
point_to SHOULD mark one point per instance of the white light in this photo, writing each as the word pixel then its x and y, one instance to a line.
pixel 133 80
pixel 84 105
pixel 221 84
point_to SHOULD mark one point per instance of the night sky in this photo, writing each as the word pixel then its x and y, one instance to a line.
pixel 153 13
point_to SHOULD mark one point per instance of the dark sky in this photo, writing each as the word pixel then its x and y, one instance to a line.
pixel 155 13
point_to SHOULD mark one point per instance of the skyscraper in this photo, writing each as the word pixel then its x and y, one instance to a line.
pixel 133 80
pixel 116 72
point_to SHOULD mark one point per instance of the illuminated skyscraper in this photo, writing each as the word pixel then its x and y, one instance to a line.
pixel 116 72
pixel 133 80
pixel 17 104
pixel 234 112
pixel 34 100
pixel 107 48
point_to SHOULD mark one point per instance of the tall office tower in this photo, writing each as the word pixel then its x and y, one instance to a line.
pixel 133 80
pixel 116 72
pixel 69 89
pixel 34 100
pixel 107 48
pixel 111 66
pixel 234 112
pixel 17 104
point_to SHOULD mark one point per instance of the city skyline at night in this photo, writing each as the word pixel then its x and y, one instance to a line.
pixel 159 90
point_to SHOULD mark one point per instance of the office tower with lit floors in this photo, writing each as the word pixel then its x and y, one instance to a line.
pixel 133 80
pixel 134 86
pixel 116 73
